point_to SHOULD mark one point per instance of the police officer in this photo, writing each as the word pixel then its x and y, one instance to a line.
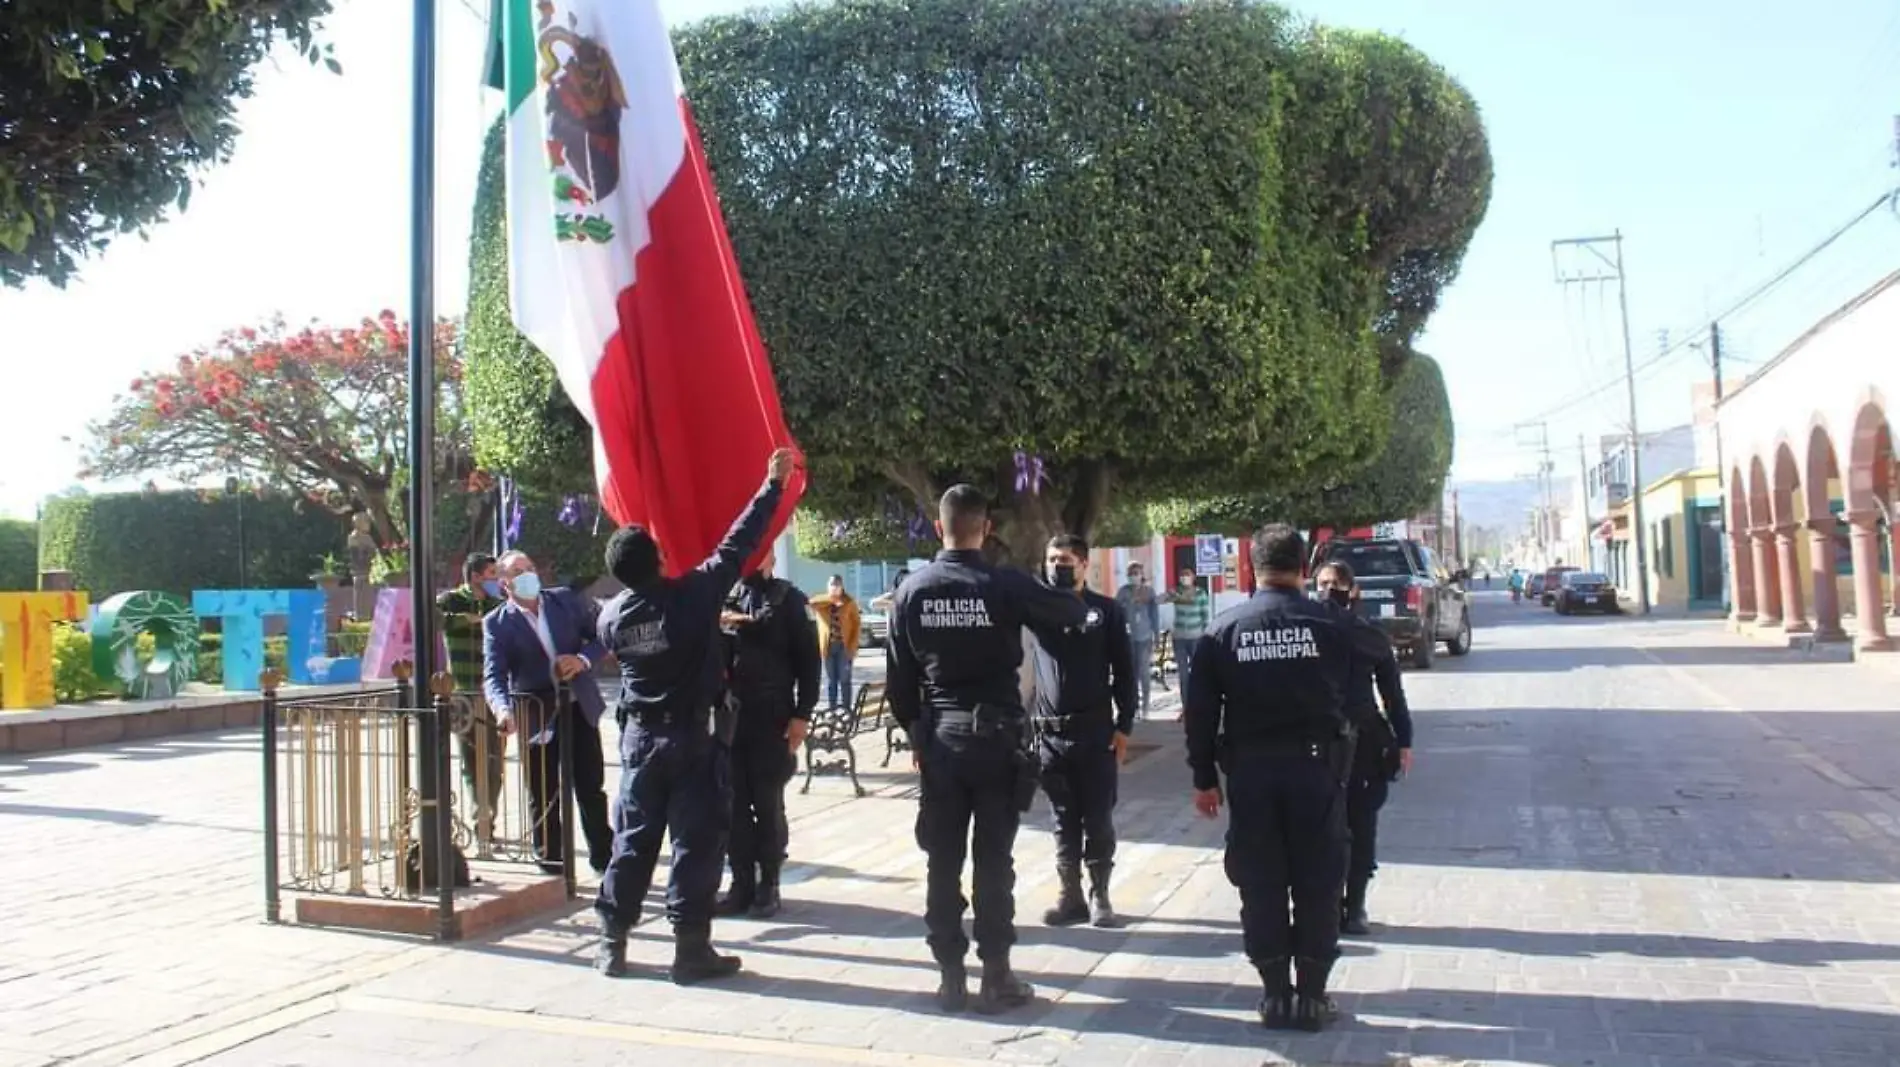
pixel 773 687
pixel 1268 708
pixel 1382 746
pixel 674 771
pixel 1080 740
pixel 956 648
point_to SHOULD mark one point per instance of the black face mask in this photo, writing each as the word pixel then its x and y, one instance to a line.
pixel 1341 597
pixel 1062 576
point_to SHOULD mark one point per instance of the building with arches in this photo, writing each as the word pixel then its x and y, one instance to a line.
pixel 1809 476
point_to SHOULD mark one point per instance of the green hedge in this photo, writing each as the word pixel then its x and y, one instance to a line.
pixel 181 541
pixel 560 551
pixel 19 552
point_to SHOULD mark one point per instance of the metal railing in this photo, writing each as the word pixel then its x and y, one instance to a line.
pixel 361 795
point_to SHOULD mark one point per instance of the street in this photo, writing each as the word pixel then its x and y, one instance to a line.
pixel 1626 843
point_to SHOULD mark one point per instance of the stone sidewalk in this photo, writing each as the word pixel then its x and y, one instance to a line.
pixel 1627 844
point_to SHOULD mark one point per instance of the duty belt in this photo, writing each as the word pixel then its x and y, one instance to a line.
pixel 1287 747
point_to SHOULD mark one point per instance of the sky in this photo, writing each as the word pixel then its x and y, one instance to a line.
pixel 1723 139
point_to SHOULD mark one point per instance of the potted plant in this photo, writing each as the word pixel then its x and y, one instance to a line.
pixel 329 572
pixel 390 568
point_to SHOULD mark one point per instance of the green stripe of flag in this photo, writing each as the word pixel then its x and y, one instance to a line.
pixel 510 64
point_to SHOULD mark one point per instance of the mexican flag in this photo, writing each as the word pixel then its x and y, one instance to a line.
pixel 620 269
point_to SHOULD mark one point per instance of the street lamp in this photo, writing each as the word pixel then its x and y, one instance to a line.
pixel 234 489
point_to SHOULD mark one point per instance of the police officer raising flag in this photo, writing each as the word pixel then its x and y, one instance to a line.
pixel 1081 740
pixel 664 632
pixel 956 646
pixel 1267 709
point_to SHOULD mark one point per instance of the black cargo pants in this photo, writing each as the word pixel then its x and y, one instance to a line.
pixel 1286 836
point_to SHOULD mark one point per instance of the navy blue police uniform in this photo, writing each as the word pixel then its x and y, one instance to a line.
pixel 774 679
pixel 674 769
pixel 1270 713
pixel 956 648
pixel 1085 693
pixel 1375 756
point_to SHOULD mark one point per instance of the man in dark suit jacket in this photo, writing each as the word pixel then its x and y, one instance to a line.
pixel 528 644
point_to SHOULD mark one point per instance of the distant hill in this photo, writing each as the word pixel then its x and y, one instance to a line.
pixel 1505 505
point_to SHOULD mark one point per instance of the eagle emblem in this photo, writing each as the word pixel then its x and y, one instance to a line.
pixel 584 98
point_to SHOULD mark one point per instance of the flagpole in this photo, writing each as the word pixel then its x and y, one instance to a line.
pixel 433 741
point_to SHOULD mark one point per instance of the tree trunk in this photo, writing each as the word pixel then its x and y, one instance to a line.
pixel 388 531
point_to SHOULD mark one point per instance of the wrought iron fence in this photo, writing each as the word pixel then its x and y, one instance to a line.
pixel 361 795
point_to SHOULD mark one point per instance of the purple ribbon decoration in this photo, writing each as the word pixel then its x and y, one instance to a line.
pixel 840 528
pixel 575 509
pixel 1029 473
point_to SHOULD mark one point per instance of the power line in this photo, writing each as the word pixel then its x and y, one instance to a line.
pixel 1749 298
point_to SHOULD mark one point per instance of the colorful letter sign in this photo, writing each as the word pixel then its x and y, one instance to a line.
pixel 309 634
pixel 392 636
pixel 26 644
pixel 242 613
pixel 116 627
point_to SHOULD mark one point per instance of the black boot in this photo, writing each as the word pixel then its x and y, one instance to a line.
pixel 1001 989
pixel 765 902
pixel 1276 1001
pixel 1070 908
pixel 610 956
pixel 953 987
pixel 1101 912
pixel 1312 1008
pixel 694 960
pixel 1352 918
pixel 739 896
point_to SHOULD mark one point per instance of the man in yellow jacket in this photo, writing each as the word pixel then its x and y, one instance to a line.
pixel 838 629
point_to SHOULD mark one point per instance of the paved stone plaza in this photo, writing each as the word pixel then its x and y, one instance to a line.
pixel 1627 843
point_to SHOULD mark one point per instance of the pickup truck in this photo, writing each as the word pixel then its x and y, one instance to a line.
pixel 1403 589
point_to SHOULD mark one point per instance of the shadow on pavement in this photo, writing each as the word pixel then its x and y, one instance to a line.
pixel 1781 952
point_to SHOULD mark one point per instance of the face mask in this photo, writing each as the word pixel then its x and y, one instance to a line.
pixel 1341 597
pixel 528 586
pixel 491 586
pixel 1062 576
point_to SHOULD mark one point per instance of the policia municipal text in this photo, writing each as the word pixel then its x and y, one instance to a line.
pixel 956 646
pixel 1267 711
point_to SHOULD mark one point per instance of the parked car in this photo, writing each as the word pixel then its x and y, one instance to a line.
pixel 1553 580
pixel 873 628
pixel 1534 586
pixel 1407 593
pixel 1586 591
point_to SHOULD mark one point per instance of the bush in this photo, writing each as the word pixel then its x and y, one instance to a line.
pixel 211 656
pixel 19 555
pixel 181 541
pixel 74 679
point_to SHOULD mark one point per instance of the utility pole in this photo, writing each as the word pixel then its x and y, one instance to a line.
pixel 1583 493
pixel 1609 268
pixel 1540 442
pixel 1721 469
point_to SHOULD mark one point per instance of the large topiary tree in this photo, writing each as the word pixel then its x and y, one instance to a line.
pixel 1127 249
pixel 108 106
pixel 1407 477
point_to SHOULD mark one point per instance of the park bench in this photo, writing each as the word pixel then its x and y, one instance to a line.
pixel 828 744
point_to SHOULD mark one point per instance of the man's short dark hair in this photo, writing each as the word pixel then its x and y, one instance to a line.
pixel 633 556
pixel 1279 547
pixel 476 563
pixel 839 578
pixel 963 511
pixel 1342 571
pixel 1074 544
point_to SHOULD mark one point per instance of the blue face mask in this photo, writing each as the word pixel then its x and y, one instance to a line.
pixel 528 586
pixel 491 586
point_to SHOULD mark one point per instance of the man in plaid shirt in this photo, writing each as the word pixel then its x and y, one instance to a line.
pixel 462 610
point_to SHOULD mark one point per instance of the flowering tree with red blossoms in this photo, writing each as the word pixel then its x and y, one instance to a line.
pixel 321 412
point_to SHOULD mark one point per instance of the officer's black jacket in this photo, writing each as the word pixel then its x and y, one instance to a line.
pixel 1275 669
pixel 1383 668
pixel 665 634
pixel 956 634
pixel 775 661
pixel 1080 670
